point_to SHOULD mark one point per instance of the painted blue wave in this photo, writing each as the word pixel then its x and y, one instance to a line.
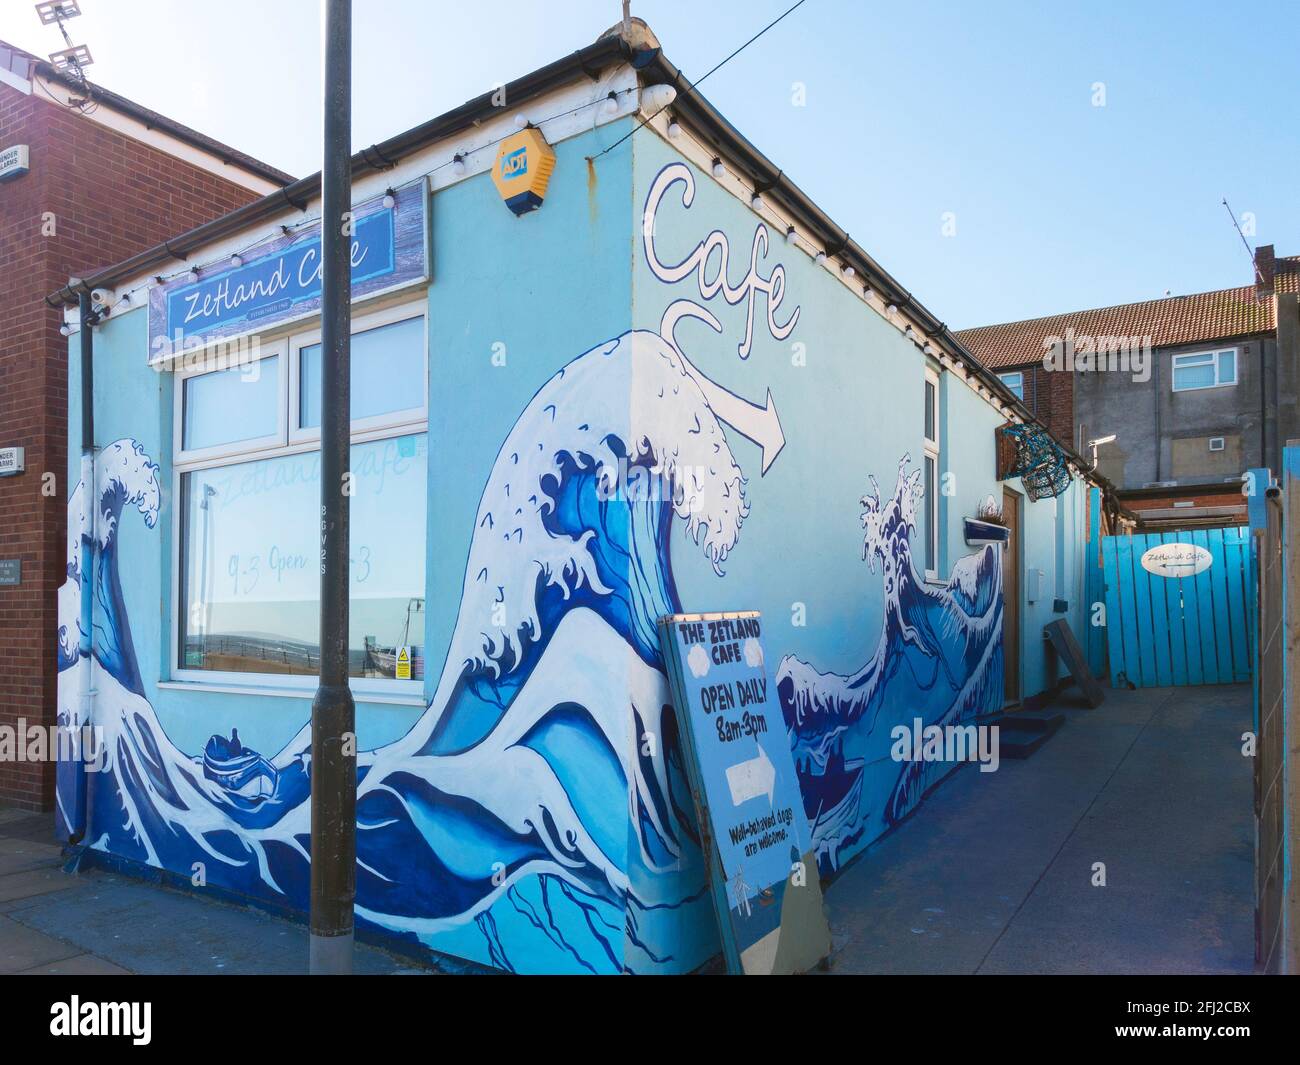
pixel 939 660
pixel 521 822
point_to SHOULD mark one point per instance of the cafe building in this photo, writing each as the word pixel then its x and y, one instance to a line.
pixel 608 363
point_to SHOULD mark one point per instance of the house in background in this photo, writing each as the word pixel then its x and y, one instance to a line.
pixel 1210 394
pixel 87 178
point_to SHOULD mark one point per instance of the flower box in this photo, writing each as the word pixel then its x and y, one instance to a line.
pixel 978 533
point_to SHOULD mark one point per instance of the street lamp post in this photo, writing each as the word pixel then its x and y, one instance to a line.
pixel 333 713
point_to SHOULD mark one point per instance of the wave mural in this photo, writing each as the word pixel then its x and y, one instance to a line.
pixel 498 827
pixel 939 658
pixel 536 817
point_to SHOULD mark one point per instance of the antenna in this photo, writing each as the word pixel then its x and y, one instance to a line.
pixel 1245 243
pixel 76 57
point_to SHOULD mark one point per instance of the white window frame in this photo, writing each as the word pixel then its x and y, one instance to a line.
pixel 1018 390
pixel 401 423
pixel 1210 357
pixel 932 449
pixel 360 324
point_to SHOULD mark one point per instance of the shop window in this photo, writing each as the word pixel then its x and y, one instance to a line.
pixel 387 373
pixel 248 541
pixel 930 475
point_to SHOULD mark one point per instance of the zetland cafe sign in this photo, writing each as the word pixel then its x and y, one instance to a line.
pixel 279 281
pixel 1177 560
pixel 766 892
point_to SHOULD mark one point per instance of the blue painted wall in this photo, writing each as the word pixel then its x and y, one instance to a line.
pixel 534 816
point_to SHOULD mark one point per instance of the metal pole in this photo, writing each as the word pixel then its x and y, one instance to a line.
pixel 333 742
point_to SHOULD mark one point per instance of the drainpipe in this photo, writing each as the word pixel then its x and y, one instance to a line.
pixel 333 713
pixel 1160 444
pixel 85 563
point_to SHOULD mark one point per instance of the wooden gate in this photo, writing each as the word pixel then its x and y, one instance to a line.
pixel 1187 627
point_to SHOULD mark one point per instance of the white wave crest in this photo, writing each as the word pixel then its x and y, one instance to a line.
pixel 579 413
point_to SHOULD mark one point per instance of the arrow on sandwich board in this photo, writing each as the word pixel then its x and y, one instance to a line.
pixel 761 424
pixel 748 780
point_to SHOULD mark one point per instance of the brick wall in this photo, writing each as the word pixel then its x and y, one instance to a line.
pixel 1051 397
pixel 109 197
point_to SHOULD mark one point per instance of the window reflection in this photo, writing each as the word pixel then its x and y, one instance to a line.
pixel 387 373
pixel 228 406
pixel 250 579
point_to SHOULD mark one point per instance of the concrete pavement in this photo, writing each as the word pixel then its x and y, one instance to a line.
pixel 97 923
pixel 993 873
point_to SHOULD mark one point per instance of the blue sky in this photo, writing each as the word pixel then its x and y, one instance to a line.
pixel 913 110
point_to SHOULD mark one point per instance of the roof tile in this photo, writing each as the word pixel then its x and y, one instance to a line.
pixel 1174 320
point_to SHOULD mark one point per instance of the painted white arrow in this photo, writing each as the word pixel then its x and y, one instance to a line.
pixel 762 425
pixel 749 780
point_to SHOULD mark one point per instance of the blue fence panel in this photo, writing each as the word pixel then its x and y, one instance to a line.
pixel 1179 630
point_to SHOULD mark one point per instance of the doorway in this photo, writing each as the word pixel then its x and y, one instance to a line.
pixel 1011 598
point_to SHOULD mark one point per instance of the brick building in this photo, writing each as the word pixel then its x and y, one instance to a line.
pixel 1197 389
pixel 103 178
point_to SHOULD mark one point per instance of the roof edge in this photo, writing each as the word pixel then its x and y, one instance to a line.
pixel 376 158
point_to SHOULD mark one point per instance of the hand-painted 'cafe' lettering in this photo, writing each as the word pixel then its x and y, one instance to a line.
pixel 280 281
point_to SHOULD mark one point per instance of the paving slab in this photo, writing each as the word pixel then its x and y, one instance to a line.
pixel 22 948
pixel 23 885
pixel 21 855
pixel 144 928
pixel 80 965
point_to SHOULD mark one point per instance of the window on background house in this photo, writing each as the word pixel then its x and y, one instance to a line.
pixel 1015 382
pixel 1204 369
pixel 930 475
pixel 247 466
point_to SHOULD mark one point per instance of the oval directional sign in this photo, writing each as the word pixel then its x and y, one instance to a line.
pixel 1177 560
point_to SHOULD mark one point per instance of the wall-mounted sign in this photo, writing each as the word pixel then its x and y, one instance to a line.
pixel 279 280
pixel 754 830
pixel 523 170
pixel 11 571
pixel 11 461
pixel 1177 560
pixel 13 161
